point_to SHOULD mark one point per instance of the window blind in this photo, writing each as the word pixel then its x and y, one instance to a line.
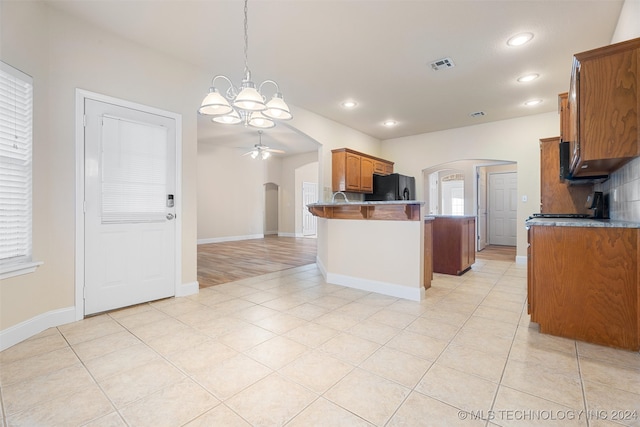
pixel 16 140
pixel 134 171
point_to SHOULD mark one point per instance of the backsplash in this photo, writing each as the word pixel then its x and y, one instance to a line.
pixel 623 188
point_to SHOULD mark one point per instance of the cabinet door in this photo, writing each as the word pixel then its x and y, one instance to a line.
pixel 557 196
pixel 563 110
pixel 379 167
pixel 609 107
pixel 388 168
pixel 352 172
pixel 366 175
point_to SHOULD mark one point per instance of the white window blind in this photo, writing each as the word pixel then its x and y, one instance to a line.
pixel 16 122
pixel 134 171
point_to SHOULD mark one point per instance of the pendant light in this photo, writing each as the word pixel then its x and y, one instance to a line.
pixel 245 104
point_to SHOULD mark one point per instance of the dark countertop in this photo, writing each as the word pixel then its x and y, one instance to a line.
pixel 581 222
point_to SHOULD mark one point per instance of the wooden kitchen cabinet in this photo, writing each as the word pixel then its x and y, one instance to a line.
pixel 454 248
pixel 603 108
pixel 583 283
pixel 557 196
pixel 428 252
pixel 563 110
pixel 353 171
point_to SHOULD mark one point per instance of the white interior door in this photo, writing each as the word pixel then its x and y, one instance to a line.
pixel 130 176
pixel 482 208
pixel 309 195
pixel 503 200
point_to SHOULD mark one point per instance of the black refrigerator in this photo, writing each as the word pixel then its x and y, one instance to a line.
pixel 392 187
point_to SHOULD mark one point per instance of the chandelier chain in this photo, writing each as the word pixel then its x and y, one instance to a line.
pixel 246 38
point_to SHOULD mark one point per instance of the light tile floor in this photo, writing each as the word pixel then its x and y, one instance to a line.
pixel 288 349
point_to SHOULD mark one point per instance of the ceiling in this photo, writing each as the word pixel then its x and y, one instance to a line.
pixel 376 52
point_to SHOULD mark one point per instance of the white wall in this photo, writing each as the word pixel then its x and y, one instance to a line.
pixel 628 26
pixel 515 140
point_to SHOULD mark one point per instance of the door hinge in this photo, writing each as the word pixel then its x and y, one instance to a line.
pixel 84 120
pixel 84 206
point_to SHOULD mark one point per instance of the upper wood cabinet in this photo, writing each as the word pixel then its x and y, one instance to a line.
pixel 603 108
pixel 557 196
pixel 353 171
pixel 563 110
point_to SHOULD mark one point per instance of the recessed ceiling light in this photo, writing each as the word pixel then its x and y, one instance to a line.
pixel 389 123
pixel 519 39
pixel 528 78
pixel 533 102
pixel 349 103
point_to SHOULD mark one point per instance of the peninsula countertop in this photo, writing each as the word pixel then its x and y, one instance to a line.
pixel 390 210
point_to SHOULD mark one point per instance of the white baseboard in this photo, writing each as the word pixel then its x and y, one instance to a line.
pixel 321 267
pixel 187 289
pixel 521 259
pixel 391 289
pixel 287 234
pixel 229 238
pixel 20 332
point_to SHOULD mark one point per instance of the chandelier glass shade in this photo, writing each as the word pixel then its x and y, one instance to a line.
pixel 245 104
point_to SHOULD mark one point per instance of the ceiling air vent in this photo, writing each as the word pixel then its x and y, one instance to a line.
pixel 442 64
pixel 477 114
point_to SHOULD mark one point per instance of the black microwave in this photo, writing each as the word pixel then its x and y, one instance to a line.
pixel 565 170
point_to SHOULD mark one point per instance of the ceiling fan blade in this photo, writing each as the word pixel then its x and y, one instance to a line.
pixel 273 150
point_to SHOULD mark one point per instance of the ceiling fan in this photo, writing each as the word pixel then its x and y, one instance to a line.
pixel 261 150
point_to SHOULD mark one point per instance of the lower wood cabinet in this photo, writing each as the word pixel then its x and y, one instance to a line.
pixel 428 252
pixel 584 284
pixel 454 244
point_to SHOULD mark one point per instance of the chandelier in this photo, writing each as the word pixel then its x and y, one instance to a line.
pixel 245 104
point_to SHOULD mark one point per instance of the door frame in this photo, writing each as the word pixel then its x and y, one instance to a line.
pixel 81 96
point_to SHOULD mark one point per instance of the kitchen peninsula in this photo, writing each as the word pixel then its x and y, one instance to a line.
pixel 374 246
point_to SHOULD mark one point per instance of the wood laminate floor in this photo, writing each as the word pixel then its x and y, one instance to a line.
pixel 497 253
pixel 230 261
pixel 225 262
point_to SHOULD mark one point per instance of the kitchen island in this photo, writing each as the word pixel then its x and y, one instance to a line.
pixel 373 246
pixel 583 280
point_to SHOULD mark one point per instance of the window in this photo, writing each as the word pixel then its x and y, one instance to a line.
pixel 16 123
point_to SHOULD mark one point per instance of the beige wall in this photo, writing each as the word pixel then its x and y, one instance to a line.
pixel 515 140
pixel 231 198
pixel 63 54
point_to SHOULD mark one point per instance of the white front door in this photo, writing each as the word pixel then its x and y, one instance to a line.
pixel 503 204
pixel 309 195
pixel 130 183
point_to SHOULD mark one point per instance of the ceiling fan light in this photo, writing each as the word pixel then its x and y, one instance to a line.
pixel 258 120
pixel 214 104
pixel 265 155
pixel 249 98
pixel 277 108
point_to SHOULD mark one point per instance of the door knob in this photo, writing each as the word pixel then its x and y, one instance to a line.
pixel 170 216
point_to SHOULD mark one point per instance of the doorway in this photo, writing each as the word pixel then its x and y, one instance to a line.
pixel 309 222
pixel 127 227
pixel 270 209
pixel 503 205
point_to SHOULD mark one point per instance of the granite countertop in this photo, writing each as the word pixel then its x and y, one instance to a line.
pixel 358 203
pixel 454 216
pixel 581 222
